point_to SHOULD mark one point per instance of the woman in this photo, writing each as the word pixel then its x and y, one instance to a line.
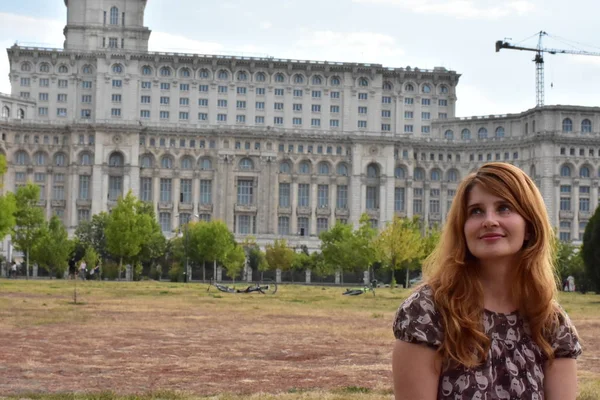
pixel 486 325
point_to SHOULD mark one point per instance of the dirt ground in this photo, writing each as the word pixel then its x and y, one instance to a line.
pixel 200 345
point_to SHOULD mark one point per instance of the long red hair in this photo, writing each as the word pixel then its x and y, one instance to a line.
pixel 451 270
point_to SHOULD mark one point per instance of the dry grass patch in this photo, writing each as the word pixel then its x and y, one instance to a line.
pixel 178 341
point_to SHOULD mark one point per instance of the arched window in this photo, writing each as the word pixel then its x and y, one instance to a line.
pixel 205 164
pixel 419 174
pixel 187 163
pixel 567 125
pixel 584 172
pixel 298 79
pixel 203 73
pixel 165 71
pixel 114 16
pixel 565 171
pixel 443 89
pixel 284 167
pixel 117 69
pixel 26 67
pixel 85 159
pixel 323 168
pixel 316 80
pixel 223 75
pixel 63 69
pixel 342 170
pixel 39 158
pixel 45 67
pixel 60 160
pixel 409 87
pixel 246 163
pixel 335 81
pixel 242 76
pixel 146 161
pixel 261 77
pixel 166 162
pixel 387 86
pixel 20 113
pixel 586 126
pixel 304 167
pixel 435 174
pixel 372 171
pixel 482 133
pixel 5 112
pixel 146 70
pixel 364 82
pixel 465 134
pixel 499 132
pixel 21 158
pixel 400 172
pixel 185 73
pixel 452 175
pixel 449 135
pixel 426 88
pixel 116 160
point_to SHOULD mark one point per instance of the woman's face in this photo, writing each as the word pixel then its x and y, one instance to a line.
pixel 494 231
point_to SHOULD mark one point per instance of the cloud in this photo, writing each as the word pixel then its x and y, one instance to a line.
pixel 467 9
pixel 348 46
pixel 265 25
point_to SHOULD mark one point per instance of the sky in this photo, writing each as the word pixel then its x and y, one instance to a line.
pixel 459 35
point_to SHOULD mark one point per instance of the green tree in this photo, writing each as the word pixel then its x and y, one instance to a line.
pixel 8 206
pixel 208 241
pixel 590 249
pixel 29 220
pixel 337 247
pixel 53 248
pixel 279 255
pixel 564 259
pixel 92 234
pixel 127 229
pixel 154 244
pixel 399 244
pixel 364 244
pixel 234 260
pixel 91 257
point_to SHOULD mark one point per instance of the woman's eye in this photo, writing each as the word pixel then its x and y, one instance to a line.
pixel 504 208
pixel 475 211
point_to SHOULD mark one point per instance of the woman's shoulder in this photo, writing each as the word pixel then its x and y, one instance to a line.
pixel 417 319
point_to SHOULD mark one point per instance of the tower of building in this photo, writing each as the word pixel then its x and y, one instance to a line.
pixel 98 24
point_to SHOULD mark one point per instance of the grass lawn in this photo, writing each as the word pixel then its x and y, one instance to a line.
pixel 151 340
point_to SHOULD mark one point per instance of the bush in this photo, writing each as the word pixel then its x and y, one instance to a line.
pixel 155 272
pixel 176 273
pixel 137 272
pixel 110 270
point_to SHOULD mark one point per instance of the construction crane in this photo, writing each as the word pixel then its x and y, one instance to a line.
pixel 539 61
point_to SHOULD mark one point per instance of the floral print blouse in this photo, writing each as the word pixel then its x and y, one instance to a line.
pixel 514 366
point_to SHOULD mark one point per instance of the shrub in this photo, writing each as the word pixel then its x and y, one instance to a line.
pixel 176 273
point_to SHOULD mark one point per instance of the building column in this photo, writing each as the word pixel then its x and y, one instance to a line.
pixel 294 204
pixel 575 219
pixel 313 207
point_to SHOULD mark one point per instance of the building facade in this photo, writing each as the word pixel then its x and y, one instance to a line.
pixel 275 148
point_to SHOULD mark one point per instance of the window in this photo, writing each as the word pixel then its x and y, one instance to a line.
pixel 408 114
pixel 184 101
pixel 425 102
pixel 323 196
pixel 115 187
pixel 116 98
pixel 425 129
pixel 113 43
pixel 283 225
pixel 584 204
pixel 184 116
pixel 284 168
pixel 117 69
pixel 114 16
pixel 260 91
pixel 303 195
pixel 372 198
pixel 362 124
pixel 334 123
pixel 278 106
pixel 245 192
pixel 303 226
pixel 115 112
pixel 205 191
pixel 342 196
pixel 408 128
pixel 259 120
pixel 584 172
pixel 297 121
pixel 297 78
pixel 25 81
pixel 315 122
pixel 334 95
pixel 386 113
pixel 409 100
pixel 449 135
pixel 223 75
pixel 278 120
pixel 44 82
pixel 399 199
pixel 117 83
pixel 165 190
pixel 241 90
pixel 565 171
pixel 443 103
pixel 567 125
pixel 316 94
pixel 322 225
pixel 261 77
pixel 442 115
pixel 61 112
pixel 297 92
pixel 284 195
pixel 221 117
pixel 60 160
pixel 586 126
pixel 164 219
pixel 165 71
pixel 42 111
pixel 84 187
pixel 499 132
pixel 482 133
pixel 334 109
pixel 363 96
pixel 63 83
pixel 279 92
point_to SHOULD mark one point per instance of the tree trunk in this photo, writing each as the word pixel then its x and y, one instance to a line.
pixel 407 283
pixel 120 268
pixel 203 272
pixel 215 270
pixel 27 265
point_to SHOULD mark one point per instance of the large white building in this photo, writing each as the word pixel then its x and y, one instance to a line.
pixel 276 148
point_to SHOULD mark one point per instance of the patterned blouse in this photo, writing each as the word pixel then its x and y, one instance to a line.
pixel 514 366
